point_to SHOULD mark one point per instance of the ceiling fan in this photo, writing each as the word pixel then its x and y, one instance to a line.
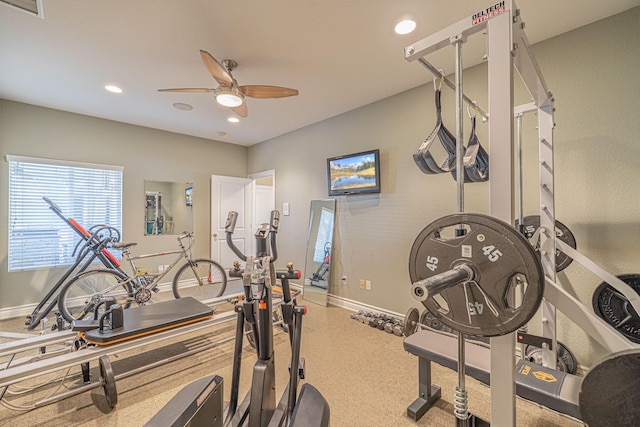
pixel 229 93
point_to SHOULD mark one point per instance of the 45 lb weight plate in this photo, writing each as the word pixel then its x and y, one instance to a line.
pixel 532 222
pixel 615 309
pixel 505 283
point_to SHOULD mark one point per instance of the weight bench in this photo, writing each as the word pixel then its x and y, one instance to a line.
pixel 117 325
pixel 553 389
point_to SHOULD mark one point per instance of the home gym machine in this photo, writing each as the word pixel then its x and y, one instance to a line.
pixel 200 403
pixel 479 279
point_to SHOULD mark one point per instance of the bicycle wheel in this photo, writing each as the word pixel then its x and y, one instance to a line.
pixel 79 297
pixel 202 279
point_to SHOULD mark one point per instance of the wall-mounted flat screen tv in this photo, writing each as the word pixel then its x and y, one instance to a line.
pixel 356 173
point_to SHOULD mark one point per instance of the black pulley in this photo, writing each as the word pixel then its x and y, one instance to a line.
pixel 504 284
pixel 532 222
pixel 610 392
pixel 108 381
pixel 615 308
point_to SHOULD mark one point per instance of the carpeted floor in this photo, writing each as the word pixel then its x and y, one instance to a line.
pixel 364 373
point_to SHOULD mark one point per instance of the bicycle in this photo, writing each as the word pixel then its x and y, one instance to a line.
pixel 203 279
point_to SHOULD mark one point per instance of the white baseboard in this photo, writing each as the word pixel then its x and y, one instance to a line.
pixel 352 305
pixel 27 309
pixel 19 311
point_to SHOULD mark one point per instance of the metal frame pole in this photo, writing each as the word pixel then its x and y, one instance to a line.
pixel 503 408
pixel 461 411
pixel 519 171
pixel 547 222
pixel 439 74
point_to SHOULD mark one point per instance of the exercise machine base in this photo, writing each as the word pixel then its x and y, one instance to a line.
pixel 198 404
pixel 548 387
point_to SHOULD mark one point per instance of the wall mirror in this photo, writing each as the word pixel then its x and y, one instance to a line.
pixel 167 208
pixel 318 261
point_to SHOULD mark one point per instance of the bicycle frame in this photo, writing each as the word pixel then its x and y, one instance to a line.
pixel 183 253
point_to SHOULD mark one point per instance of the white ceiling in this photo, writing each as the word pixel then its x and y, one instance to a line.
pixel 340 55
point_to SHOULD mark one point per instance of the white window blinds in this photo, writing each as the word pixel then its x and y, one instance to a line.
pixel 91 194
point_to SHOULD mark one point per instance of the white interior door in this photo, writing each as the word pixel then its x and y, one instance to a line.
pixel 263 198
pixel 230 194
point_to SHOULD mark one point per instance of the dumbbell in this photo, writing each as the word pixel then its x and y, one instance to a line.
pixel 398 330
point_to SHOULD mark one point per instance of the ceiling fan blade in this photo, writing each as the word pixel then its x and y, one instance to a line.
pixel 259 91
pixel 241 110
pixel 187 89
pixel 216 69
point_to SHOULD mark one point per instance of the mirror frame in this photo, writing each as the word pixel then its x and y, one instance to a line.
pixel 168 208
pixel 317 273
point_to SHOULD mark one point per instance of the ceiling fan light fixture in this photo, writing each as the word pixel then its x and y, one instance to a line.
pixel 229 97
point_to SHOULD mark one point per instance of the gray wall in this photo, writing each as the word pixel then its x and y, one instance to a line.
pixel 146 154
pixel 593 74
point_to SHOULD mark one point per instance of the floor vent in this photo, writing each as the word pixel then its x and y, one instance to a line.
pixel 32 7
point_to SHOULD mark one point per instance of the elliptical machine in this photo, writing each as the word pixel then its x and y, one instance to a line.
pixel 200 403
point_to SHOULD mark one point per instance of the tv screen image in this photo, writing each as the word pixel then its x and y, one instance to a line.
pixel 354 173
pixel 188 196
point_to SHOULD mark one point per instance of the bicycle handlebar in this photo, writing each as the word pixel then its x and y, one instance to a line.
pixel 185 235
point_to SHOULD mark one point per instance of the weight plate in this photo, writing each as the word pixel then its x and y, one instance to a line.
pixel 501 259
pixel 108 381
pixel 425 318
pixel 609 394
pixel 532 222
pixel 411 318
pixel 566 361
pixel 615 309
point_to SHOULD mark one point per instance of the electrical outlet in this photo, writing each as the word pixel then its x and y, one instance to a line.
pixel 344 280
pixel 160 268
pixel 362 284
pixel 368 285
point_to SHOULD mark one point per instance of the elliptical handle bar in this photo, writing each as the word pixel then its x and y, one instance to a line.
pixel 275 223
pixel 229 228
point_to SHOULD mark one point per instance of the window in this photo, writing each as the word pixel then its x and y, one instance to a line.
pixel 91 194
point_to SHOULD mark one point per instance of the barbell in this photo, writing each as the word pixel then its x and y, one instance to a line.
pixel 475 274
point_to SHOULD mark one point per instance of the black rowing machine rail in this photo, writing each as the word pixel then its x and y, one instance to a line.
pixel 258 408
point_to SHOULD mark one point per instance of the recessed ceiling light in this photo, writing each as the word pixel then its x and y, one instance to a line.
pixel 222 133
pixel 182 106
pixel 233 120
pixel 113 89
pixel 405 27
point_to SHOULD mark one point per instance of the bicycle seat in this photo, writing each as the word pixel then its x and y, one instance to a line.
pixel 120 245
